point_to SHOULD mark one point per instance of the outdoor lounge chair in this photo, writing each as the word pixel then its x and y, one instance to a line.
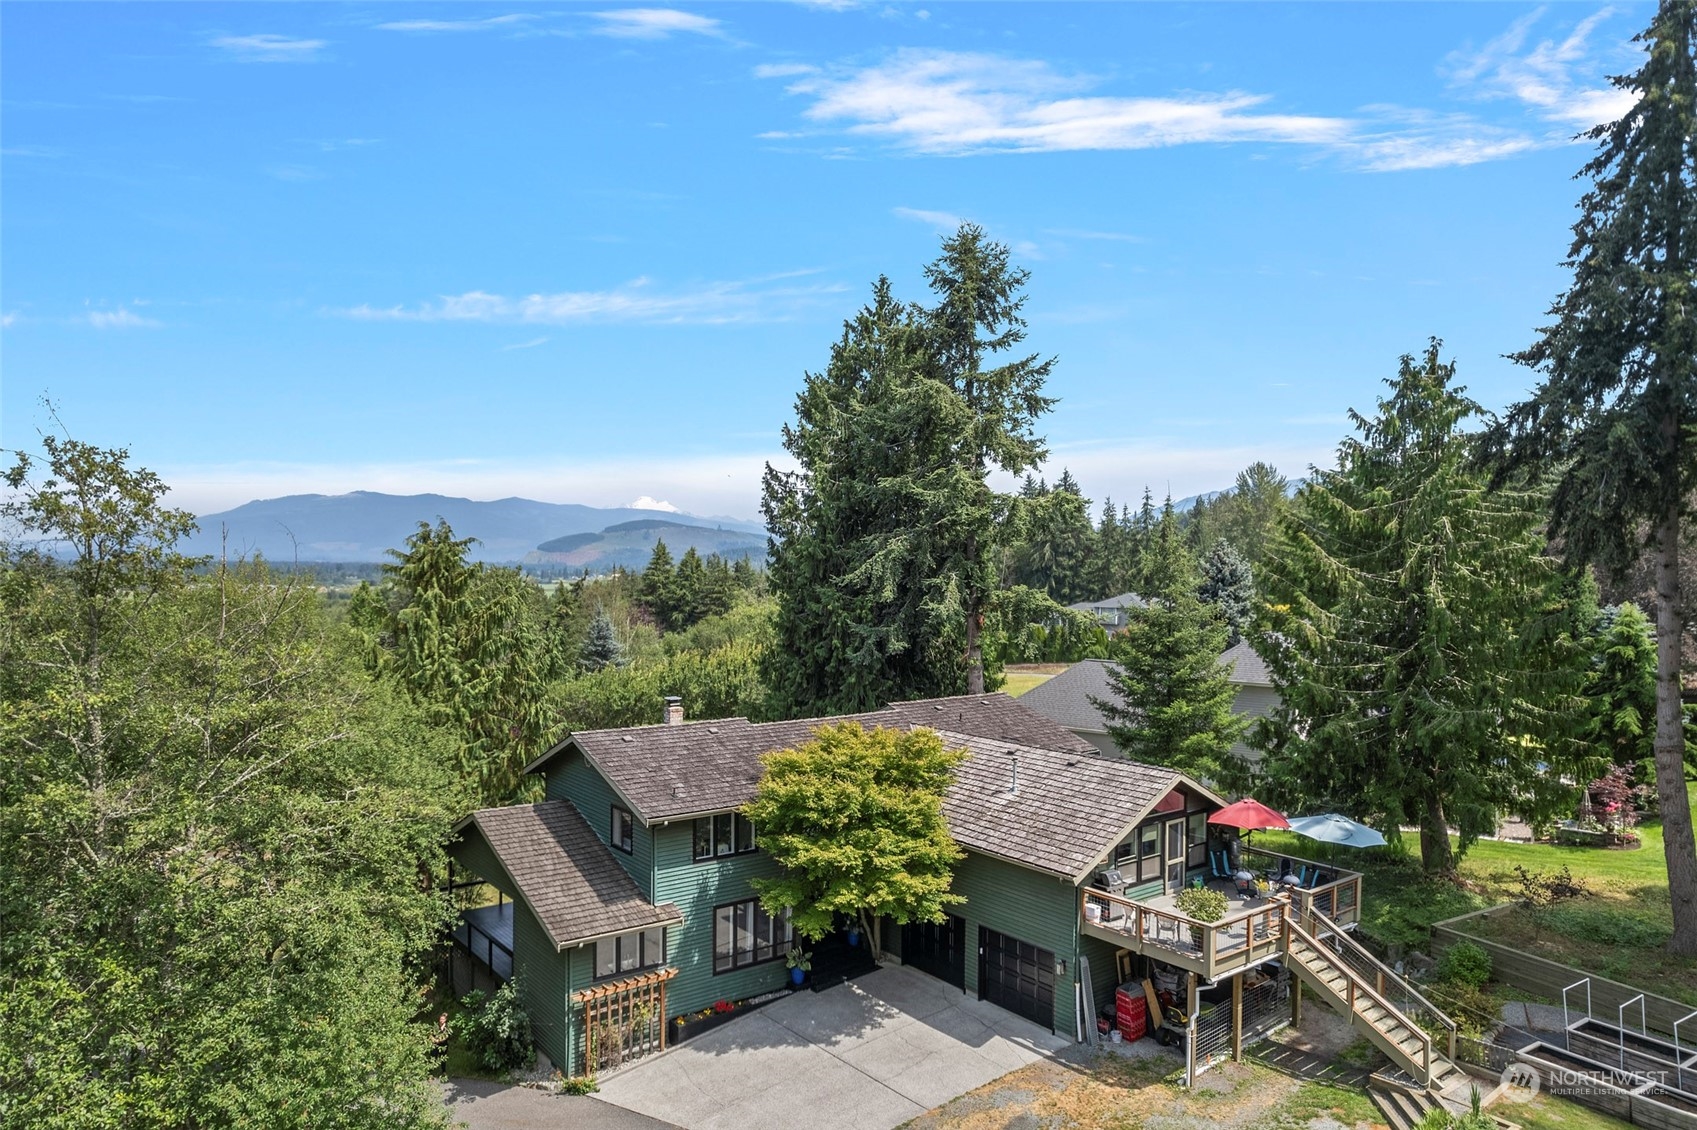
pixel 1219 867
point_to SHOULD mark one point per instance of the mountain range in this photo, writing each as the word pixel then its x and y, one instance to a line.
pixel 363 525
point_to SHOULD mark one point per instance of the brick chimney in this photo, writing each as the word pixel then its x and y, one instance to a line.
pixel 674 710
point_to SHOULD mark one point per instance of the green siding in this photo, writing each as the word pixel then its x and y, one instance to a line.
pixel 1104 968
pixel 695 889
pixel 573 778
pixel 543 985
pixel 1036 908
pixel 472 853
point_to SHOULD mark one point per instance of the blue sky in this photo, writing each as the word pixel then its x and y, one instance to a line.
pixel 586 253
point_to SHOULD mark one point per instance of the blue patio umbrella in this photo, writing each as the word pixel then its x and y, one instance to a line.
pixel 1330 828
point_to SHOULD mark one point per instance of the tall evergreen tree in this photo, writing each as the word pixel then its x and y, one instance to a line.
pixel 470 646
pixel 658 589
pixel 1229 586
pixel 1620 687
pixel 1614 412
pixel 1172 701
pixel 1416 633
pixel 885 543
pixel 1058 551
pixel 977 316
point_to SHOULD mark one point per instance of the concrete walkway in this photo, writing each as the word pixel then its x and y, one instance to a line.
pixel 870 1055
pixel 485 1105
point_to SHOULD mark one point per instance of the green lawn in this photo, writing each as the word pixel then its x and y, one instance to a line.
pixel 1547 1113
pixel 1017 683
pixel 1616 931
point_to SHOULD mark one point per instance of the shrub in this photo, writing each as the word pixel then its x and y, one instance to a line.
pixel 1201 903
pixel 496 1029
pixel 1465 964
pixel 578 1085
pixel 1546 888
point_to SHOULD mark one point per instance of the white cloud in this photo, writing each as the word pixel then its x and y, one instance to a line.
pixel 120 319
pixel 652 23
pixel 1543 77
pixel 757 300
pixel 947 102
pixel 784 70
pixel 942 221
pixel 1121 467
pixel 646 503
pixel 531 344
pixel 708 484
pixel 8 319
pixel 270 48
pixel 489 23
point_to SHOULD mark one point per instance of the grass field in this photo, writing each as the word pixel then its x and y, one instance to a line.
pixel 1021 677
pixel 1617 930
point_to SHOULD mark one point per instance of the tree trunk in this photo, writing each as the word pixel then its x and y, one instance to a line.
pixel 974 652
pixel 1677 841
pixel 1435 855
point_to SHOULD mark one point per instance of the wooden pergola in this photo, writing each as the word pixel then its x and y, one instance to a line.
pixel 623 1019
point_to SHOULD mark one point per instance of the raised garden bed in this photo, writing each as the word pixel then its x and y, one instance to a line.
pixel 1584 1080
pixel 1606 1043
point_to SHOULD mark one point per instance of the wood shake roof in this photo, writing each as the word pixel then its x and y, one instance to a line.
pixel 571 881
pixel 1066 810
pixel 669 772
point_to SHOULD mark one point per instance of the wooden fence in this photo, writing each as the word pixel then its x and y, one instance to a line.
pixel 1544 978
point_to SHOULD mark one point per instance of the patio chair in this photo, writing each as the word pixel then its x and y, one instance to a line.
pixel 1219 863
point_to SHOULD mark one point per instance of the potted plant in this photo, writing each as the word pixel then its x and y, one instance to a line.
pixel 800 963
pixel 1203 904
pixel 854 934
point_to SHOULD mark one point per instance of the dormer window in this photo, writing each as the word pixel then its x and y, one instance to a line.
pixel 624 830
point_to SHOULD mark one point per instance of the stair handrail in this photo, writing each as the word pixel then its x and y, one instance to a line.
pixel 1359 986
pixel 1390 974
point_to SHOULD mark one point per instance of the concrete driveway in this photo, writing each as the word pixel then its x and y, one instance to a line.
pixel 870 1054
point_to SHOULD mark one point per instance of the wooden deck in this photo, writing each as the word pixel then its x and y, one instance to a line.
pixel 1250 933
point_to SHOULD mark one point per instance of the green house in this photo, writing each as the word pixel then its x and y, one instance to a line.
pixel 628 909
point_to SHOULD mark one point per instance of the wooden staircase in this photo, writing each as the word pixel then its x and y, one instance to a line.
pixel 1407 1045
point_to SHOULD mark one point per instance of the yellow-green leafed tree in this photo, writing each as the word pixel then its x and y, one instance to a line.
pixel 855 818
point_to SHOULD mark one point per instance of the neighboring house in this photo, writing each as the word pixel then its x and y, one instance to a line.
pixel 1068 697
pixel 633 903
pixel 1110 612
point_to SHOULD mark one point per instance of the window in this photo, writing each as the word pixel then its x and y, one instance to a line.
pixel 628 953
pixel 624 831
pixel 1149 853
pixel 1197 835
pixel 744 934
pixel 728 833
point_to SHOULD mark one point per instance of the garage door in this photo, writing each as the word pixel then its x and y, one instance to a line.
pixel 937 948
pixel 1017 975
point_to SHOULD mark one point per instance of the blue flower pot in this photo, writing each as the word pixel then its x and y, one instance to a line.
pixel 796 975
pixel 854 937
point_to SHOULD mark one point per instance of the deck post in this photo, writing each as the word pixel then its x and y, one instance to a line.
pixel 1296 1002
pixel 1237 1017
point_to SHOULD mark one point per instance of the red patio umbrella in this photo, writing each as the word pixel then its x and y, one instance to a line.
pixel 1248 814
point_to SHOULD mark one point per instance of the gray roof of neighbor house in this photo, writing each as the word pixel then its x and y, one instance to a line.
pixel 1067 810
pixel 1066 697
pixel 1248 668
pixel 669 772
pixel 1123 600
pixel 571 881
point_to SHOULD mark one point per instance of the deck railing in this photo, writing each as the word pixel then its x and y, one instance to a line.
pixel 1233 942
pixel 1338 898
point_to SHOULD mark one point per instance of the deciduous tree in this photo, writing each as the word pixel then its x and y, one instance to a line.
pixel 854 819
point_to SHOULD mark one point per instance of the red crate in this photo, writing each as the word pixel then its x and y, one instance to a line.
pixel 1131 1012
